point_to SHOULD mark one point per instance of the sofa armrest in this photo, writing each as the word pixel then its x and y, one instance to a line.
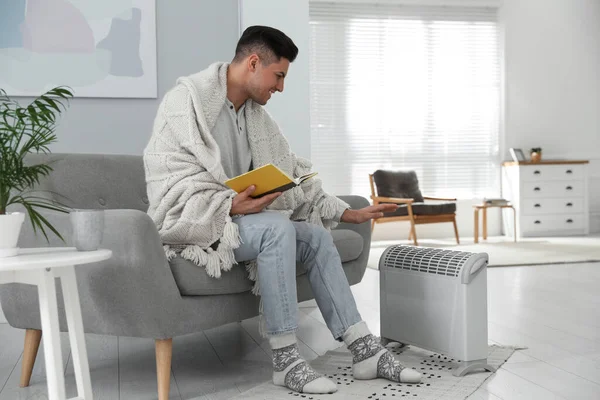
pixel 130 234
pixel 130 294
pixel 356 269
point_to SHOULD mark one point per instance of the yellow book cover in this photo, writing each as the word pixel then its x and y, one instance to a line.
pixel 267 179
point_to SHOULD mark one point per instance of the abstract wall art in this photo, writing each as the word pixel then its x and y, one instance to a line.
pixel 100 48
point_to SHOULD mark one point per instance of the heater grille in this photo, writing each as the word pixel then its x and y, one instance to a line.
pixel 424 259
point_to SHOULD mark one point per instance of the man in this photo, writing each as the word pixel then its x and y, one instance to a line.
pixel 211 126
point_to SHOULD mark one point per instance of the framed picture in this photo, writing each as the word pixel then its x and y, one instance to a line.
pixel 99 48
pixel 517 155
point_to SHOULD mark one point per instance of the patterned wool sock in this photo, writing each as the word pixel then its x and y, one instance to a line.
pixel 291 371
pixel 371 360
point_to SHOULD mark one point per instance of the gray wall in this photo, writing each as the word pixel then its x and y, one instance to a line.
pixel 191 34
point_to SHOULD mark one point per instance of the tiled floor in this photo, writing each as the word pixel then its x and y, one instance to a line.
pixel 552 309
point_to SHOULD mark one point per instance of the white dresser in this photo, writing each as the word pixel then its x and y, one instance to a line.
pixel 550 197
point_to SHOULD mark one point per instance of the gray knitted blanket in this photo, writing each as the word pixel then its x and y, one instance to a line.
pixel 189 201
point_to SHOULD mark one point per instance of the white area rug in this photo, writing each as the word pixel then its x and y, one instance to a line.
pixel 505 253
pixel 438 381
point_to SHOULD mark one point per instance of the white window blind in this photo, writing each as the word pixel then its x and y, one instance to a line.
pixel 405 87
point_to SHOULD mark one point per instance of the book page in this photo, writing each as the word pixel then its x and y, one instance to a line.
pixel 305 177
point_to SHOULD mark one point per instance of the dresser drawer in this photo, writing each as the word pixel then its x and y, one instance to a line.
pixel 552 223
pixel 545 189
pixel 534 173
pixel 566 205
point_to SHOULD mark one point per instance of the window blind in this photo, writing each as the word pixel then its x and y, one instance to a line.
pixel 405 87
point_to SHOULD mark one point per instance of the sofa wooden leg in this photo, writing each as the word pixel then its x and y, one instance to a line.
pixel 164 354
pixel 30 350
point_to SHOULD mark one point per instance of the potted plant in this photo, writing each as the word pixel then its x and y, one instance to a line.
pixel 536 154
pixel 25 130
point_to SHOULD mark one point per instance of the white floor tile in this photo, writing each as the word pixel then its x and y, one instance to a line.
pixel 558 381
pixel 509 386
pixel 482 394
pixel 519 357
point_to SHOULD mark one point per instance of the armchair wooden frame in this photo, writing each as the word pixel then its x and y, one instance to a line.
pixel 411 217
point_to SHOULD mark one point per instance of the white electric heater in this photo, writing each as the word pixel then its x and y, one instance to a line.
pixel 436 299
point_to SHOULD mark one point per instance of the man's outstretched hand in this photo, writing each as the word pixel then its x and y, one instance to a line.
pixel 364 214
pixel 242 203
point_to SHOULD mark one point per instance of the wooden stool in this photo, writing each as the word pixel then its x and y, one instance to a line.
pixel 484 207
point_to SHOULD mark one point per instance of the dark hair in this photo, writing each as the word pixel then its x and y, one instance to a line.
pixel 267 42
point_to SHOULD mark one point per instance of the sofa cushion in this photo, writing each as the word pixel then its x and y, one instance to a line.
pixel 424 209
pixel 402 184
pixel 194 281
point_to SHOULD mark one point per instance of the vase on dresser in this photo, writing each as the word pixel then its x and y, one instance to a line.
pixel 550 197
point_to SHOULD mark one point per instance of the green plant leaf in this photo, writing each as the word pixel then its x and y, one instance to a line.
pixel 49 226
pixel 41 202
pixel 26 130
pixel 51 103
pixel 38 221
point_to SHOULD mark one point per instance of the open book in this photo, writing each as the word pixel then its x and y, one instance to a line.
pixel 267 179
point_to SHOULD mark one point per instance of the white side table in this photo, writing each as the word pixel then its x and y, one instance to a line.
pixel 39 267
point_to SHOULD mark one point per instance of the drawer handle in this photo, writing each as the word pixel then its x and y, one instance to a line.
pixel 538 222
pixel 536 172
pixel 569 171
pixel 569 221
pixel 538 205
pixel 537 189
pixel 569 204
pixel 569 187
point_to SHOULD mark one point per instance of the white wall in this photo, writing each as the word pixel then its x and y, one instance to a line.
pixel 291 108
pixel 552 100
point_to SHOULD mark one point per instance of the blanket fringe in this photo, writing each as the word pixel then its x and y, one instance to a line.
pixel 231 235
pixel 215 261
pixel 170 253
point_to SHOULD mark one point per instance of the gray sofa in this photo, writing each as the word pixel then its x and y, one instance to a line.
pixel 137 292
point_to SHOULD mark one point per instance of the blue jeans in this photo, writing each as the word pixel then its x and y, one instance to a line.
pixel 277 243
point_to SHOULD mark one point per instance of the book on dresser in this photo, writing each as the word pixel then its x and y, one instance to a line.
pixel 496 202
pixel 550 197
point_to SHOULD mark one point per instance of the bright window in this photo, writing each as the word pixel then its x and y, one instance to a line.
pixel 405 87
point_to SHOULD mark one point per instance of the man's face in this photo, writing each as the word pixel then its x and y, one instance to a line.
pixel 266 79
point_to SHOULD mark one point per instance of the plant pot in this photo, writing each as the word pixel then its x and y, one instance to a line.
pixel 536 157
pixel 10 228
